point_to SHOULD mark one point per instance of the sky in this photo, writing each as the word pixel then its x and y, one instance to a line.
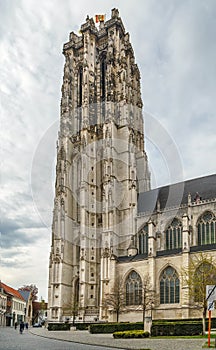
pixel 175 49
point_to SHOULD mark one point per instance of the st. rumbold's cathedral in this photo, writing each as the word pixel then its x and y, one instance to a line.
pixel 110 230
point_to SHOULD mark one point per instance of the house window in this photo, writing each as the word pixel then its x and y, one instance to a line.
pixel 206 229
pixel 143 240
pixel 169 286
pixel 174 235
pixel 133 289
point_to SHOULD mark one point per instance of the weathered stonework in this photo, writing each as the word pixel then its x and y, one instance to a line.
pixel 101 179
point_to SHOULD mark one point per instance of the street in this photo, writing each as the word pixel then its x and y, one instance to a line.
pixel 11 339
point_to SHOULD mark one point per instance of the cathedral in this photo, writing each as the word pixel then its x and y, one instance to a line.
pixel 109 227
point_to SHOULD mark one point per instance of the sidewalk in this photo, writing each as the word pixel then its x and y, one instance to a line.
pixel 107 340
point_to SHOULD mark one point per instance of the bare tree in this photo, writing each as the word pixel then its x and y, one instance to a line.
pixel 200 272
pixel 115 300
pixel 71 308
pixel 149 297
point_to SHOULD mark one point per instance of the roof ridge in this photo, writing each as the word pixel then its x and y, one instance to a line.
pixel 12 291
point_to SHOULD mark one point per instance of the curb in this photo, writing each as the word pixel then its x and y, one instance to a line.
pixel 81 342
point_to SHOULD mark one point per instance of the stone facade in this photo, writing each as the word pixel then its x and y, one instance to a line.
pixel 107 223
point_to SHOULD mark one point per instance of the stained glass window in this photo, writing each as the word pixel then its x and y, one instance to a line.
pixel 143 240
pixel 174 235
pixel 206 229
pixel 169 286
pixel 133 289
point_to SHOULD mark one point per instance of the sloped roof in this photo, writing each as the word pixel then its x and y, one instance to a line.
pixel 25 294
pixel 126 258
pixel 177 194
pixel 11 291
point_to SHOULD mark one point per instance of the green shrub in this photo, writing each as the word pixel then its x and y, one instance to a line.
pixel 176 328
pixel 114 327
pixel 131 334
pixel 82 326
pixel 58 327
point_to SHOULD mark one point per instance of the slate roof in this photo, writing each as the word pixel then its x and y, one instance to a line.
pixel 11 291
pixel 127 258
pixel 25 294
pixel 177 194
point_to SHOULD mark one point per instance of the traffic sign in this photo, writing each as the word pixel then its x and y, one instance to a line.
pixel 211 292
pixel 210 305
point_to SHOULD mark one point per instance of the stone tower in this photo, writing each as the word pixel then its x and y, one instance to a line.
pixel 101 167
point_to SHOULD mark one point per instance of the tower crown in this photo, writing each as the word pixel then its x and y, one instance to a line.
pixel 101 79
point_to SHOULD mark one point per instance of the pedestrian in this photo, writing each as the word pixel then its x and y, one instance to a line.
pixel 21 327
pixel 15 325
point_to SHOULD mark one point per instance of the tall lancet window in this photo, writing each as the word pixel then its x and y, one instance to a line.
pixel 76 292
pixel 169 286
pixel 133 289
pixel 206 227
pixel 143 240
pixel 103 85
pixel 79 96
pixel 174 235
pixel 103 78
pixel 80 82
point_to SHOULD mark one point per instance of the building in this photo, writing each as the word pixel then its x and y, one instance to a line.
pixel 108 225
pixel 16 305
pixel 28 297
pixel 39 312
pixel 3 307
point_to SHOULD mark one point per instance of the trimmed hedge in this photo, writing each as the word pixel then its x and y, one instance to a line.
pixel 58 326
pixel 114 327
pixel 131 334
pixel 82 326
pixel 176 328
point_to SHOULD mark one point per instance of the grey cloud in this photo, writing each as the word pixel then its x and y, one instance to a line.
pixel 13 235
pixel 175 50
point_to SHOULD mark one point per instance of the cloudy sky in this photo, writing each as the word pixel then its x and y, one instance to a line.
pixel 175 48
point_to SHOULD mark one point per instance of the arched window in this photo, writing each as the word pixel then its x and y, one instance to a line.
pixel 174 235
pixel 206 229
pixel 133 289
pixel 169 286
pixel 143 240
pixel 204 275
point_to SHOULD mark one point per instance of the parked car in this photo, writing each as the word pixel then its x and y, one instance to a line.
pixel 37 325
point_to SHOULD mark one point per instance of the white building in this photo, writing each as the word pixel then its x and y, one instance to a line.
pixel 16 305
pixel 3 307
pixel 107 223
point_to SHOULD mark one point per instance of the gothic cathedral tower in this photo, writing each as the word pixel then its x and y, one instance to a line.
pixel 101 168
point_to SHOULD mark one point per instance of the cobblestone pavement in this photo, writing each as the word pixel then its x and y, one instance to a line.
pixel 107 340
pixel 10 339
